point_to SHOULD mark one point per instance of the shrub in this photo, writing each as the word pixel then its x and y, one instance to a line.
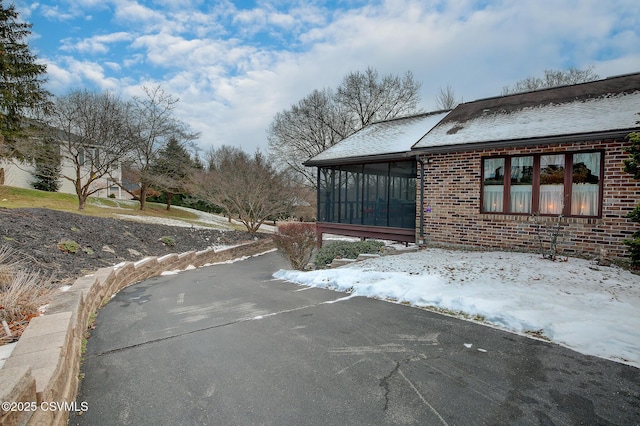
pixel 168 241
pixel 551 231
pixel 69 246
pixel 632 165
pixel 345 249
pixel 296 241
pixel 633 244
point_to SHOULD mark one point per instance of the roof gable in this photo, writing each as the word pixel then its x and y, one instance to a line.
pixel 608 105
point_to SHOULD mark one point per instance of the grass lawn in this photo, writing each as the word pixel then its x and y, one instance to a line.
pixel 13 198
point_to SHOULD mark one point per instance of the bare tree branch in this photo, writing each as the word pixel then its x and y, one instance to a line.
pixel 151 126
pixel 552 78
pixel 446 98
pixel 246 187
pixel 325 117
pixel 91 130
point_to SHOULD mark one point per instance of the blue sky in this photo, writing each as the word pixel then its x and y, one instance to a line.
pixel 235 64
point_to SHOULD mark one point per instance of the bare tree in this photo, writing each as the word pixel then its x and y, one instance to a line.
pixel 552 78
pixel 325 117
pixel 372 98
pixel 312 125
pixel 151 126
pixel 91 130
pixel 446 98
pixel 247 187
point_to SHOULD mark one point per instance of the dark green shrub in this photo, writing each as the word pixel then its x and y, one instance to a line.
pixel 633 244
pixel 346 249
pixel 632 165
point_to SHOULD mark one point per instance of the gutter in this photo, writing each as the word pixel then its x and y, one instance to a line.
pixel 550 140
pixel 365 159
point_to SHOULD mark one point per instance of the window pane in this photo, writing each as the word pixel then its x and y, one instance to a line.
pixel 342 196
pixel 585 188
pixel 551 184
pixel 375 195
pixel 521 184
pixel 327 195
pixel 402 204
pixel 493 185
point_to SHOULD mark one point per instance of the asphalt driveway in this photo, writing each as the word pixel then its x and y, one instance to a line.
pixel 229 345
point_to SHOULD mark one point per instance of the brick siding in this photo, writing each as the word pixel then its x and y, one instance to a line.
pixel 452 191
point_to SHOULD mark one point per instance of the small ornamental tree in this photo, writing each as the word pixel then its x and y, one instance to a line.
pixel 246 187
pixel 632 165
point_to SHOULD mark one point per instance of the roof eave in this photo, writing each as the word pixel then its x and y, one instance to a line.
pixel 379 158
pixel 512 143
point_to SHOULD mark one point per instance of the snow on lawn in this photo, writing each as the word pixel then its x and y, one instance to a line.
pixel 592 309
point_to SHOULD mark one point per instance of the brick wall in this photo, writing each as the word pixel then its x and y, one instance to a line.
pixel 452 191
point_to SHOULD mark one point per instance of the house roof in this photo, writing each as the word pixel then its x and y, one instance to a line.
pixel 382 140
pixel 577 112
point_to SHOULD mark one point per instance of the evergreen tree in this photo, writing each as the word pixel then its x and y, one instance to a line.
pixel 21 78
pixel 632 165
pixel 172 169
pixel 47 167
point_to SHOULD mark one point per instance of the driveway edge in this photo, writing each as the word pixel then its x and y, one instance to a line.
pixel 41 376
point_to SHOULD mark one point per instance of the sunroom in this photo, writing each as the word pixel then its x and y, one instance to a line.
pixel 367 183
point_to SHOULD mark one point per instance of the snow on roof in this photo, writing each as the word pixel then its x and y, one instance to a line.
pixel 384 137
pixel 605 113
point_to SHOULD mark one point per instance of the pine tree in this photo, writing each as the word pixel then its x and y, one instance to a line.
pixel 172 169
pixel 21 77
pixel 47 167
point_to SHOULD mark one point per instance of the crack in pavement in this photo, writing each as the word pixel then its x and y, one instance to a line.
pixel 385 383
pixel 186 333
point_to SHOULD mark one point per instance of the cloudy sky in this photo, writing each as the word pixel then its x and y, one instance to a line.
pixel 235 64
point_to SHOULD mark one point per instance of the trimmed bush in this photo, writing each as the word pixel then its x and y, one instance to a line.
pixel 347 250
pixel 296 241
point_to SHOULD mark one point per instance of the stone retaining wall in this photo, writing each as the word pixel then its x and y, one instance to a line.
pixel 45 363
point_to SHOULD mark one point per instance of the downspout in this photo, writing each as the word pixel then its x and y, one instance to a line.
pixel 421 234
pixel 318 233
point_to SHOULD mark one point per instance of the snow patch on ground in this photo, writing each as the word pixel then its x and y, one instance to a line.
pixel 204 221
pixel 592 309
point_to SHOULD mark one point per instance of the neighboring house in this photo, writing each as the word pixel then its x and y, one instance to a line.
pixel 20 174
pixel 496 172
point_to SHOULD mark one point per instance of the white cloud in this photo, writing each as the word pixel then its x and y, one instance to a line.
pixel 92 72
pixel 54 13
pixel 137 15
pixel 97 44
pixel 221 62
